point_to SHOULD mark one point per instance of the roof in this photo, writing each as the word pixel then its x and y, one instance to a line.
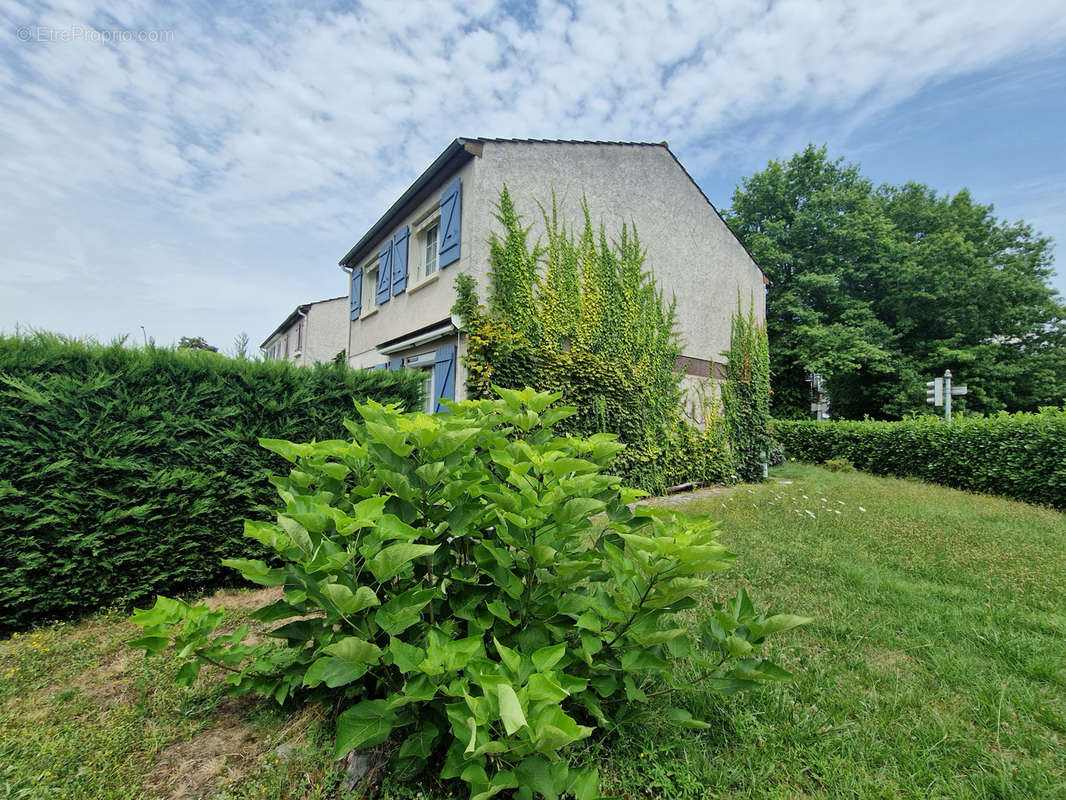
pixel 298 312
pixel 462 150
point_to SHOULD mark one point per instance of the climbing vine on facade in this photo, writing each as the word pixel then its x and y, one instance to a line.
pixel 580 314
pixel 746 394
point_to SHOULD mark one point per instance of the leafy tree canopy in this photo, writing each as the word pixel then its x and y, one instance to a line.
pixel 196 343
pixel 880 289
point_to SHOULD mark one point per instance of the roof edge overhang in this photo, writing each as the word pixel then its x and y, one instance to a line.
pixel 455 155
pixel 436 330
pixel 300 311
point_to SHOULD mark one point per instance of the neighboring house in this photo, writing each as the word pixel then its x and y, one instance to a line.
pixel 402 270
pixel 312 333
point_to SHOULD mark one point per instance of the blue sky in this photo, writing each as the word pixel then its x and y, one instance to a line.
pixel 200 168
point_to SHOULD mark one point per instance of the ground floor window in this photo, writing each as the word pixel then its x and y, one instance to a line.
pixel 429 399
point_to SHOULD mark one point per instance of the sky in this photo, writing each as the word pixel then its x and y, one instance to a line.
pixel 199 168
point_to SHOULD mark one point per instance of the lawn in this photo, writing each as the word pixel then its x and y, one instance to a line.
pixel 936 667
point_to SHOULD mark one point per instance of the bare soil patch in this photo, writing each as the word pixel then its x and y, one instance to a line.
pixel 192 768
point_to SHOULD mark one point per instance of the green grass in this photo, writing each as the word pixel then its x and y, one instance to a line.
pixel 936 667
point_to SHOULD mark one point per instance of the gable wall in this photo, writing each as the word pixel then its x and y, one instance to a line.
pixel 690 250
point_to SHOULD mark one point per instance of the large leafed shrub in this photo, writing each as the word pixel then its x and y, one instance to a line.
pixel 124 472
pixel 474 588
pixel 1015 455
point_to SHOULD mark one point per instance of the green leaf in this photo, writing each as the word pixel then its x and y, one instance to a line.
pixel 510 709
pixel 554 730
pixel 634 692
pixel 736 646
pixel 363 725
pixel 405 656
pixel 535 773
pixel 391 438
pixel 392 527
pixel 256 571
pixel 542 687
pixel 547 657
pixel 388 563
pixel 584 784
pixel 348 602
pixel 188 673
pixel 683 718
pixel 577 509
pixel 354 650
pixel 402 611
pixel 420 742
pixel 511 659
pixel 742 608
pixel 363 514
pixel 501 611
pixel 777 624
pixel 456 654
pixel 287 450
pixel 332 671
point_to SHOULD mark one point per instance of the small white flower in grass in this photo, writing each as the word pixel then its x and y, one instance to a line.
pixel 824 500
pixel 841 502
pixel 805 497
pixel 835 511
pixel 863 510
pixel 810 514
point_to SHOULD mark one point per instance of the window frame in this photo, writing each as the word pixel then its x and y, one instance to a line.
pixel 420 230
pixel 370 288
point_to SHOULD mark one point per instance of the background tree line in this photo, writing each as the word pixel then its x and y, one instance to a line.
pixel 880 289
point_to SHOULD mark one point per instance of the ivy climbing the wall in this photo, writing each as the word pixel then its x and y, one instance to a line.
pixel 581 315
pixel 746 394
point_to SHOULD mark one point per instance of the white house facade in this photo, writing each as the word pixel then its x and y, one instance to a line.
pixel 401 272
pixel 312 333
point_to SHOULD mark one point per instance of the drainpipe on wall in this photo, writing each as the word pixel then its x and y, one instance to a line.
pixel 458 323
pixel 348 347
pixel 303 335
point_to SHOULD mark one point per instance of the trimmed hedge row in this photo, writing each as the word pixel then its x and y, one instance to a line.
pixel 126 473
pixel 1022 456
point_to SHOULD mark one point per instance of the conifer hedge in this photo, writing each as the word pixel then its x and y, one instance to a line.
pixel 1022 456
pixel 126 473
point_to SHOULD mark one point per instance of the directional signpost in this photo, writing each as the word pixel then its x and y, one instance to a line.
pixel 940 391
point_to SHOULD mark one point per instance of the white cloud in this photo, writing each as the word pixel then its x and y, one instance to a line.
pixel 241 131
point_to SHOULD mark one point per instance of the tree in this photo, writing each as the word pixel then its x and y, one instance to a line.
pixel 195 343
pixel 240 346
pixel 880 289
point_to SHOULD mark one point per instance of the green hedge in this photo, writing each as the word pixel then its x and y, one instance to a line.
pixel 126 473
pixel 1016 455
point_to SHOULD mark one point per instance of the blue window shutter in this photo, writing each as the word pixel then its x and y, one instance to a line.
pixel 384 273
pixel 451 207
pixel 399 260
pixel 396 363
pixel 356 294
pixel 443 376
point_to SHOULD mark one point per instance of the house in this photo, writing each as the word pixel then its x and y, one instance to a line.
pixel 402 270
pixel 312 333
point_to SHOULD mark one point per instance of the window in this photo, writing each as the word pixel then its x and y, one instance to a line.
pixel 427 389
pixel 429 250
pixel 370 287
pixel 300 336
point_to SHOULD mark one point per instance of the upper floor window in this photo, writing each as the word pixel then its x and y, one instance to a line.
pixel 370 287
pixel 429 250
